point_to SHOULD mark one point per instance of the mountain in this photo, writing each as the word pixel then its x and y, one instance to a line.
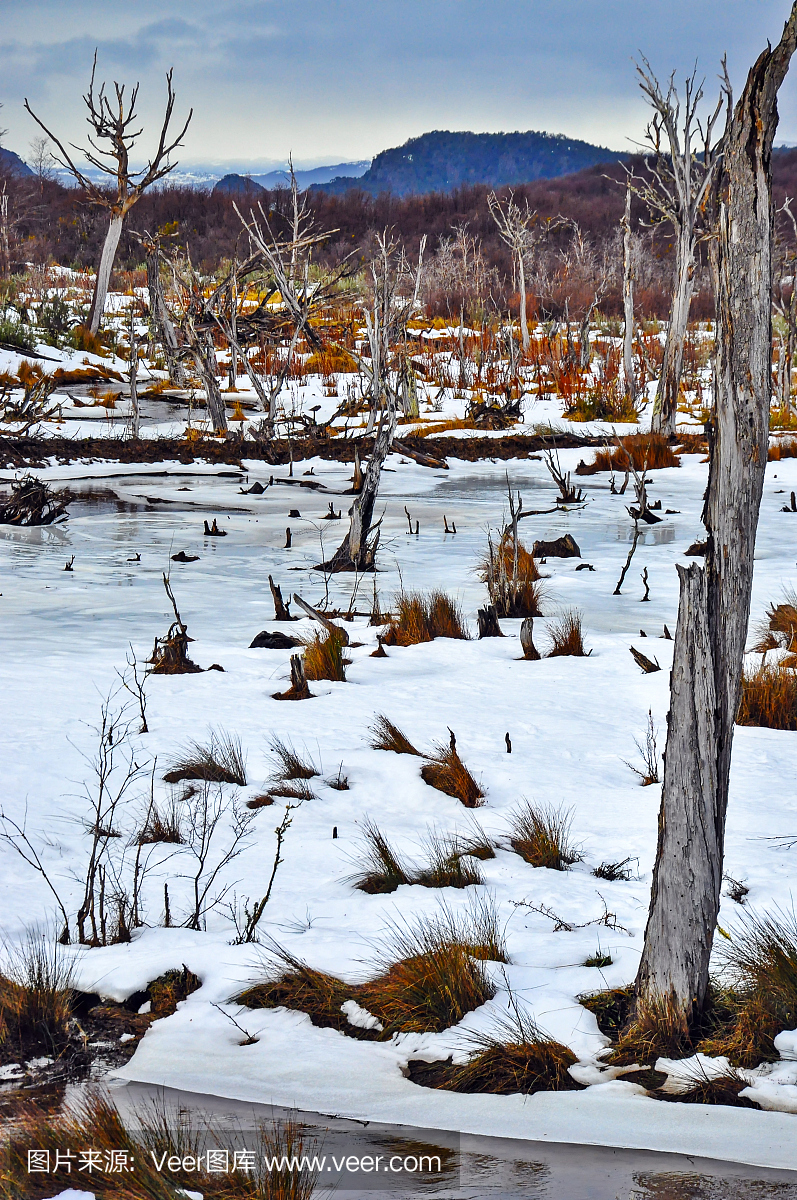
pixel 441 161
pixel 11 162
pixel 237 183
pixel 282 179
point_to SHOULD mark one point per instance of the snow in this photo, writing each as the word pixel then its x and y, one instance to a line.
pixel 573 724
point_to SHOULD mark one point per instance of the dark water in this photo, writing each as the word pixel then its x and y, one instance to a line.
pixel 474 1167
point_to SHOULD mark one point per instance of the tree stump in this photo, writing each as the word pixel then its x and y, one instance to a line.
pixel 530 651
pixel 488 622
pixel 298 689
pixel 281 609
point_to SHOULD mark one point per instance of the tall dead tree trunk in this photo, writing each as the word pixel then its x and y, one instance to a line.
pixel 628 301
pixel 715 599
pixel 665 406
pixel 205 358
pixel 161 318
pixel 355 553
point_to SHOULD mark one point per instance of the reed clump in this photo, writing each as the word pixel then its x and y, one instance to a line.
pixel 419 618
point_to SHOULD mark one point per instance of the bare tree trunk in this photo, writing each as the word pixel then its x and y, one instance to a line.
pixel 628 302
pixel 524 325
pixel 665 408
pixel 104 271
pixel 135 423
pixel 715 599
pixel 354 553
pixel 162 320
pixel 5 250
pixel 205 358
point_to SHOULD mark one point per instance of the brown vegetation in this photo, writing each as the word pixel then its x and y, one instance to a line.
pixel 541 835
pixel 221 761
pixel 387 736
pixel 514 587
pixel 447 772
pixel 768 697
pixel 422 619
pixel 644 449
pixel 324 657
pixel 566 636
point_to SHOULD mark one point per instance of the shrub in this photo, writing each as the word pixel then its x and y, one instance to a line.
pixel 421 619
pixel 387 736
pixel 324 657
pixel 651 449
pixel 447 773
pixel 566 636
pixel 768 698
pixel 14 333
pixel 541 835
pixel 221 761
pixel 514 590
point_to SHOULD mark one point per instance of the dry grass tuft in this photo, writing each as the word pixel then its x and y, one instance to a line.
pixel 324 657
pixel 658 1028
pixel 36 998
pixel 387 736
pixel 566 636
pixel 768 697
pixel 447 865
pixel 290 764
pixel 162 827
pixel 782 448
pixel 429 986
pixel 541 835
pixel 701 1088
pixel 221 761
pixel 419 618
pixel 760 962
pixel 169 989
pixel 516 1058
pixel 652 449
pixel 382 871
pixel 446 772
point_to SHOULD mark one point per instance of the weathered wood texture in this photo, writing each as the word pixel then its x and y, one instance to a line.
pixel 715 598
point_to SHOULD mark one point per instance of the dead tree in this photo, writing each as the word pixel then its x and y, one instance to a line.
pixel 161 323
pixel 515 226
pixel 132 379
pixel 715 598
pixel 628 301
pixel 113 137
pixel 680 171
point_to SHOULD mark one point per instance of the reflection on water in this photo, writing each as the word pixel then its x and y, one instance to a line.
pixel 651 535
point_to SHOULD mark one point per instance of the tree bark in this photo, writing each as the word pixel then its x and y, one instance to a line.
pixel 354 553
pixel 628 302
pixel 162 321
pixel 715 599
pixel 205 359
pixel 103 277
pixel 665 408
pixel 524 325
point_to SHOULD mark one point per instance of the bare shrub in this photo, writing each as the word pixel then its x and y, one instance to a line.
pixel 541 835
pixel 648 773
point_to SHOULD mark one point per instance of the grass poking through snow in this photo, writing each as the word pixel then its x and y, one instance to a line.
pixel 324 657
pixel 566 636
pixel 768 697
pixel 220 761
pixel 446 772
pixel 387 736
pixel 541 835
pixel 420 618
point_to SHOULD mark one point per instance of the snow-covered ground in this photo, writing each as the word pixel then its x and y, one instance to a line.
pixel 573 724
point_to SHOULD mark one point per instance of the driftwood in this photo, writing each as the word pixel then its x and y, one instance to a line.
pixel 33 502
pixel 425 460
pixel 170 654
pixel 714 603
pixel 646 664
pixel 330 626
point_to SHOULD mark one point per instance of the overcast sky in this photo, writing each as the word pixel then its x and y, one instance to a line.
pixel 332 80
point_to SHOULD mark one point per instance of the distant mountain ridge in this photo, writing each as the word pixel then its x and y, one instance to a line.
pixel 441 161
pixel 281 178
pixel 9 161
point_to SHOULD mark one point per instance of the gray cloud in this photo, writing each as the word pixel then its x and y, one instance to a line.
pixel 335 79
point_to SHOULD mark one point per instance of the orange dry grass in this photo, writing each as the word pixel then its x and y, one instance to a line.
pixel 447 773
pixel 324 658
pixel 513 595
pixel 782 448
pixel 650 448
pixel 421 619
pixel 769 698
pixel 445 426
pixel 566 636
